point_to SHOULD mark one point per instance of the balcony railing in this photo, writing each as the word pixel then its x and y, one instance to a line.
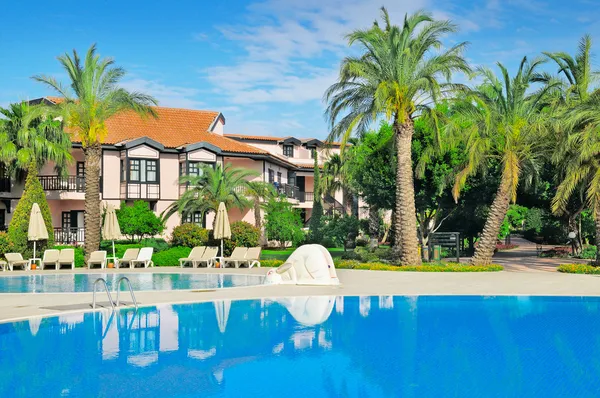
pixel 141 191
pixel 59 183
pixel 69 235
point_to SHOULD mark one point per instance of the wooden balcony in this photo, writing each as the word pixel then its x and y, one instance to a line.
pixel 64 184
pixel 141 191
pixel 69 236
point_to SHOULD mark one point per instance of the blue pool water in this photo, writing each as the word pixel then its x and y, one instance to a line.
pixel 60 283
pixel 307 347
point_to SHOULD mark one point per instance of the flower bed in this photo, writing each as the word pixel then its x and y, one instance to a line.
pixel 558 251
pixel 434 267
pixel 579 269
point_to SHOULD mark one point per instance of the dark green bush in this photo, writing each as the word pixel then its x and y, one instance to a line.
pixel 139 221
pixel 79 256
pixel 588 252
pixel 6 245
pixel 19 224
pixel 242 234
pixel 189 235
pixel 170 257
pixel 157 244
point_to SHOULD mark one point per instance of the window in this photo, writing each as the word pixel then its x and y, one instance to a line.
pixel 271 176
pixel 288 150
pixel 313 151
pixel 194 169
pixel 195 217
pixel 279 177
pixel 66 219
pixel 143 170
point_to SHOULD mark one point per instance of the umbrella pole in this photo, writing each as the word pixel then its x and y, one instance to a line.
pixel 34 242
pixel 114 257
pixel 222 255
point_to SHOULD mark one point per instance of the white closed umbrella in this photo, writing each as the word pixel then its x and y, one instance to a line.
pixel 37 227
pixel 222 228
pixel 111 229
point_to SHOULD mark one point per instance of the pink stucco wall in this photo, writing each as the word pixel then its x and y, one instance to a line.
pixel 169 176
pixel 58 206
pixel 111 174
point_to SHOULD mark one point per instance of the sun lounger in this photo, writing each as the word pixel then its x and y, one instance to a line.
pixel 67 257
pixel 128 257
pixel 237 255
pixel 194 256
pixel 3 265
pixel 253 257
pixel 97 258
pixel 16 260
pixel 208 257
pixel 50 258
pixel 144 258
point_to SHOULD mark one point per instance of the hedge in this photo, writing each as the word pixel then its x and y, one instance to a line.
pixel 170 257
pixel 438 267
pixel 579 269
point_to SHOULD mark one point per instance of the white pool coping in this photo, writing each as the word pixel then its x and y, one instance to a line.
pixel 19 306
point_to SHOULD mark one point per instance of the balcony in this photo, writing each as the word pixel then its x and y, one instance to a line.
pixel 69 236
pixel 141 191
pixel 64 184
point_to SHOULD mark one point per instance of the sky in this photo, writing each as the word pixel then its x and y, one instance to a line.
pixel 264 64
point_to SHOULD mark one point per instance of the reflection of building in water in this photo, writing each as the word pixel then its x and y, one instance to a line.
pixel 169 329
pixel 139 333
pixel 339 304
pixel 364 305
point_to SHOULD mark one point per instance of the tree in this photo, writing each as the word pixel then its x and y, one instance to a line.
pixel 138 221
pixel 19 224
pixel 91 98
pixel 260 192
pixel 335 173
pixel 397 77
pixel 32 134
pixel 315 228
pixel 575 150
pixel 210 187
pixel 282 222
pixel 504 121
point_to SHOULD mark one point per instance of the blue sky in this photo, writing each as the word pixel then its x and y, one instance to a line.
pixel 264 64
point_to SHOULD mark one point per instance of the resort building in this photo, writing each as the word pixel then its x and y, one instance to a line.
pixel 143 159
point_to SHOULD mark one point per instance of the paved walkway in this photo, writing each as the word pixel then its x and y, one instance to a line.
pixel 354 283
pixel 524 258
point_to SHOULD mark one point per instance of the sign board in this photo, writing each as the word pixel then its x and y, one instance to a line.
pixel 450 240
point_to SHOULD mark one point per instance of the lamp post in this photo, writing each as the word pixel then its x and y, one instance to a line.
pixel 572 235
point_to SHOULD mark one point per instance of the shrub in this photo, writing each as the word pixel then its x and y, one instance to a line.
pixel 341 230
pixel 6 245
pixel 438 267
pixel 19 224
pixel 588 252
pixel 283 223
pixel 171 256
pixel 242 234
pixel 271 263
pixel 79 255
pixel 316 224
pixel 558 251
pixel 189 235
pixel 578 269
pixel 138 221
pixel 362 241
pixel 157 244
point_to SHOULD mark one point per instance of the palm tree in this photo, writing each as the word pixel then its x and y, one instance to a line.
pixel 334 179
pixel 29 134
pixel 577 145
pixel 259 192
pixel 92 97
pixel 398 76
pixel 501 122
pixel 210 187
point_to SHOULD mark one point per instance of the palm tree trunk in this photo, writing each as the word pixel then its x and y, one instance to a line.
pixel 406 249
pixel 487 243
pixel 374 222
pixel 93 156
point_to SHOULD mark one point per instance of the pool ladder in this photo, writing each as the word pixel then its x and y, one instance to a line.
pixel 113 304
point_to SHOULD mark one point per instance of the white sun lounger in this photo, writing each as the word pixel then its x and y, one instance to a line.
pixel 97 258
pixel 128 257
pixel 208 257
pixel 238 255
pixel 51 257
pixel 67 257
pixel 253 257
pixel 16 260
pixel 144 258
pixel 194 256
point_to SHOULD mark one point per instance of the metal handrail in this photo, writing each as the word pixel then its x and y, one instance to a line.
pixel 103 281
pixel 118 284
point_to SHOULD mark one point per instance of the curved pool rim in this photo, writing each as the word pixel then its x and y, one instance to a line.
pixel 116 271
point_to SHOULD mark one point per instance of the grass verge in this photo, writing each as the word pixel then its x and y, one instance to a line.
pixel 437 267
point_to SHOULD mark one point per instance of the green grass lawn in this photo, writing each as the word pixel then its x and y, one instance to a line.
pixel 277 254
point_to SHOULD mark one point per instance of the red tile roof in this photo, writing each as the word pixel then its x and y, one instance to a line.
pixel 270 138
pixel 172 127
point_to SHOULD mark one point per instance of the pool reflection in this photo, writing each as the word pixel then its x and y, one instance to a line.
pixel 321 346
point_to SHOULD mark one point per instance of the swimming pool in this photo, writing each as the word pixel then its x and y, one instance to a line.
pixel 62 283
pixel 308 347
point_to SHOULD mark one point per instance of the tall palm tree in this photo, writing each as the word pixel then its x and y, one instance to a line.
pixel 397 77
pixel 577 144
pixel 501 122
pixel 210 187
pixel 93 96
pixel 334 179
pixel 29 134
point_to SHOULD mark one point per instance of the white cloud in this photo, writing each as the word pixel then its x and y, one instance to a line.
pixel 171 96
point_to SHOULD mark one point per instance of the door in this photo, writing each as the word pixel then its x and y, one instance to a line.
pixel 80 177
pixel 301 184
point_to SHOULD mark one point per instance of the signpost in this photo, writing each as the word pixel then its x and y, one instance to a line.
pixel 444 239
